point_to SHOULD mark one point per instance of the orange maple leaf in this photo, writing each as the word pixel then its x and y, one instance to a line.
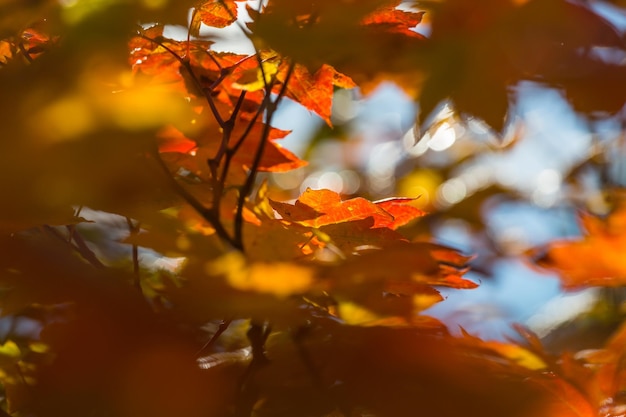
pixel 597 259
pixel 206 142
pixel 217 14
pixel 314 91
pixel 316 208
pixel 401 211
pixel 393 20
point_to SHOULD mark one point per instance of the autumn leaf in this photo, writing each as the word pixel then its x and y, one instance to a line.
pixel 596 259
pixel 6 52
pixel 208 140
pixel 400 209
pixel 562 399
pixel 391 19
pixel 412 262
pixel 272 240
pixel 365 286
pixel 228 286
pixel 216 13
pixel 351 236
pixel 315 91
pixel 316 208
pixel 338 36
pixel 349 224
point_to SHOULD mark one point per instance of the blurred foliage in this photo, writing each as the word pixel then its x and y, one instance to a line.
pixel 151 263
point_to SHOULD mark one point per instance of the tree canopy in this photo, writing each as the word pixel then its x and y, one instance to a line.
pixel 151 266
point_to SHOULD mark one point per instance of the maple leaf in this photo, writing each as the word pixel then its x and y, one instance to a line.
pixel 349 224
pixel 350 236
pixel 400 209
pixel 205 143
pixel 390 19
pixel 216 13
pixel 338 35
pixel 369 289
pixel 160 58
pixel 483 51
pixel 280 279
pixel 597 259
pixel 6 51
pixel 193 69
pixel 317 208
pixel 412 262
pixel 271 240
pixel 315 91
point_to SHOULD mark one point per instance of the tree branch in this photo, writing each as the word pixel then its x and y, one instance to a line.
pixel 207 214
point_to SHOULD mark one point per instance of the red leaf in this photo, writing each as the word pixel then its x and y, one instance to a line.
pixel 217 14
pixel 350 236
pixel 207 141
pixel 316 208
pixel 409 261
pixel 562 399
pixel 315 91
pixel 596 259
pixel 171 140
pixel 393 20
pixel 401 211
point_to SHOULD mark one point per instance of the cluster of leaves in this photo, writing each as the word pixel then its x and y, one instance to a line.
pixel 305 308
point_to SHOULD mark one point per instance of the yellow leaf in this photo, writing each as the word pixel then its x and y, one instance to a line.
pixel 38 347
pixel 426 300
pixel 9 357
pixel 355 314
pixel 281 279
pixel 9 350
pixel 252 79
pixel 517 354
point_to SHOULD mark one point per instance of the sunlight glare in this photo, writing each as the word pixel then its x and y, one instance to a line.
pixel 443 138
pixel 452 191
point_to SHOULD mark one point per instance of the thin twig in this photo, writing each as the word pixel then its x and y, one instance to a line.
pixel 227 130
pixel 219 180
pixel 221 329
pixel 246 189
pixel 80 246
pixel 84 250
pixel 309 364
pixel 186 63
pixel 25 53
pixel 207 214
pixel 134 231
pixel 248 391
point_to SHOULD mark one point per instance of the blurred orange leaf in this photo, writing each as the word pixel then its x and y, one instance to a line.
pixel 596 259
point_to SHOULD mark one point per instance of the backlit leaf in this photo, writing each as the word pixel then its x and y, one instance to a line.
pixel 391 19
pixel 400 209
pixel 315 91
pixel 217 13
pixel 596 259
pixel 277 278
pixel 316 208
